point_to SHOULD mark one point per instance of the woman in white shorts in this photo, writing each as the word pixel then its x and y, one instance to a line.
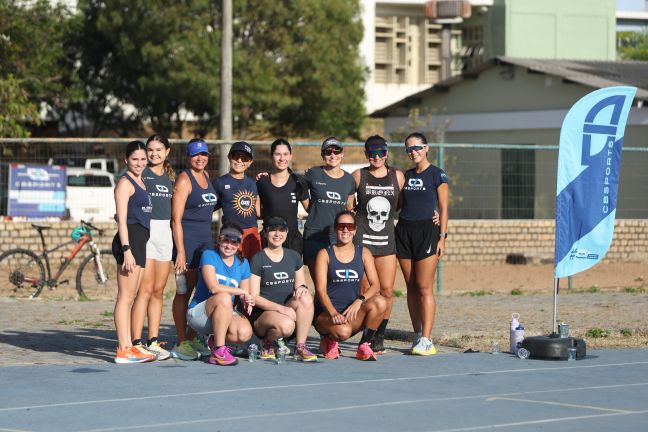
pixel 223 276
pixel 158 177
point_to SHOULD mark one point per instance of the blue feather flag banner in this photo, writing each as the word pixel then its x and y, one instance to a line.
pixel 589 159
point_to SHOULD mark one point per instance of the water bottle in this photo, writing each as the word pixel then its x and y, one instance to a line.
pixel 253 351
pixel 519 337
pixel 181 283
pixel 514 325
pixel 281 355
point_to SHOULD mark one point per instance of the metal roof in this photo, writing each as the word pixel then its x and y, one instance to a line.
pixel 592 73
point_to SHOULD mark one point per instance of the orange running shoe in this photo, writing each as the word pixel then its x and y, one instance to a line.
pixel 329 348
pixel 132 355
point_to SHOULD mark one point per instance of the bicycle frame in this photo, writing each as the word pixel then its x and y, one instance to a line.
pixel 86 239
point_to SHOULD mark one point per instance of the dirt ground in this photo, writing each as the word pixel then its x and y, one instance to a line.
pixel 606 305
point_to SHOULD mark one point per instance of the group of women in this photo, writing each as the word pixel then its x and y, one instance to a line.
pixel 252 282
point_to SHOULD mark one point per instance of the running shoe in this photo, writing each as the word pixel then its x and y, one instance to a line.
pixel 185 351
pixel 222 357
pixel 268 352
pixel 378 344
pixel 131 355
pixel 302 353
pixel 417 338
pixel 198 344
pixel 156 348
pixel 329 348
pixel 282 344
pixel 365 353
pixel 424 347
pixel 142 349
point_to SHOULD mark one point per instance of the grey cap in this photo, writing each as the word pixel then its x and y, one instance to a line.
pixel 331 142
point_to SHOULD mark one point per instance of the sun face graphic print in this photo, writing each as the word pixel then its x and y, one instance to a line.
pixel 243 203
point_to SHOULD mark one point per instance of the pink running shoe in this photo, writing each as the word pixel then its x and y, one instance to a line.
pixel 222 357
pixel 365 353
pixel 329 348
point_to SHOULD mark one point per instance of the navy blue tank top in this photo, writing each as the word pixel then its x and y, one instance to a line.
pixel 343 286
pixel 200 205
pixel 139 206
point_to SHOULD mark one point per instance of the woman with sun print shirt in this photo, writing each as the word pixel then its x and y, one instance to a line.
pixel 237 195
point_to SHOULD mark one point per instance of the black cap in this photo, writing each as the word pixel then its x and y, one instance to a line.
pixel 375 142
pixel 330 142
pixel 275 221
pixel 241 146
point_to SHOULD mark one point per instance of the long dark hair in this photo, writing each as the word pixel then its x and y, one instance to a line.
pixel 133 146
pixel 167 165
pixel 417 135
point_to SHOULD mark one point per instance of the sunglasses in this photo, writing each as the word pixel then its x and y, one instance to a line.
pixel 414 148
pixel 243 157
pixel 332 151
pixel 230 240
pixel 279 228
pixel 372 154
pixel 350 226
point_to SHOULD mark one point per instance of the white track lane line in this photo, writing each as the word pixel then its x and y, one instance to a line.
pixel 562 404
pixel 348 408
pixel 321 384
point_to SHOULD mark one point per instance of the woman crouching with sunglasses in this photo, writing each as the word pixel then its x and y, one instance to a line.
pixel 223 274
pixel 283 305
pixel 341 308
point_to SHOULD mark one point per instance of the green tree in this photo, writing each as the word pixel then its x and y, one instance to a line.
pixel 296 64
pixel 35 68
pixel 16 110
pixel 633 46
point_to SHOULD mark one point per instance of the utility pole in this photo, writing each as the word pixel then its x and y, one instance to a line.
pixel 226 86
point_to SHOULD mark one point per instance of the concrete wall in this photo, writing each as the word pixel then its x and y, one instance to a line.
pixel 470 241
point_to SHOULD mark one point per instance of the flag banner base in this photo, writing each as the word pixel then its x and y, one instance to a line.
pixel 554 347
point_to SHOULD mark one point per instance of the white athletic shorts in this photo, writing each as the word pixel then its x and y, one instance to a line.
pixel 199 321
pixel 160 244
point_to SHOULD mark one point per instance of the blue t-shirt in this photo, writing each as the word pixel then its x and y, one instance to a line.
pixel 420 193
pixel 237 199
pixel 228 276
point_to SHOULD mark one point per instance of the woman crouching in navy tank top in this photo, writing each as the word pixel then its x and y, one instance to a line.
pixel 342 309
pixel 133 204
pixel 420 243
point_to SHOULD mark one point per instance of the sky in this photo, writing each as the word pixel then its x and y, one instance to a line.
pixel 631 5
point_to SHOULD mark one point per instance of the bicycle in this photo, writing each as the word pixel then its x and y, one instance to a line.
pixel 27 273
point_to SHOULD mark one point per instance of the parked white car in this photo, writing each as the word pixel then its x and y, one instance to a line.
pixel 89 194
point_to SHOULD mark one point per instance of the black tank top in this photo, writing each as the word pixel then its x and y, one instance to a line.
pixel 376 211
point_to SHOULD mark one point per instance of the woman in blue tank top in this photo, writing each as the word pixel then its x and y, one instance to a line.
pixel 342 309
pixel 192 206
pixel 133 204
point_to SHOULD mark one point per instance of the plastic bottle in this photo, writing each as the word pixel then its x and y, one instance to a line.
pixel 519 337
pixel 514 325
pixel 181 283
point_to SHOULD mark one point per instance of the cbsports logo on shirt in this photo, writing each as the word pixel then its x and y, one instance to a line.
pixel 243 203
pixel 281 275
pixel 346 275
pixel 415 184
pixel 209 199
pixel 162 188
pixel 279 278
pixel 332 198
pixel 162 191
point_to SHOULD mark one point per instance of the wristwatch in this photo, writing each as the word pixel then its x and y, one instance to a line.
pixel 361 298
pixel 444 235
pixel 125 248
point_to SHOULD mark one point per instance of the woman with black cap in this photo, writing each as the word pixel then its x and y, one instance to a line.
pixel 283 305
pixel 378 188
pixel 331 190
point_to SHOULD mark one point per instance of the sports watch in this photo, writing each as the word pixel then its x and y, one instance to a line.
pixel 125 248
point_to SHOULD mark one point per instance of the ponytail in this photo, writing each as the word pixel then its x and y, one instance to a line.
pixel 169 170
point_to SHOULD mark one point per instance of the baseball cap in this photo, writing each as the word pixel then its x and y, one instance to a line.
pixel 275 221
pixel 375 142
pixel 331 142
pixel 197 147
pixel 230 234
pixel 241 146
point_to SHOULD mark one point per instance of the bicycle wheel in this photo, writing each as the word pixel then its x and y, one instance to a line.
pixel 88 279
pixel 22 273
